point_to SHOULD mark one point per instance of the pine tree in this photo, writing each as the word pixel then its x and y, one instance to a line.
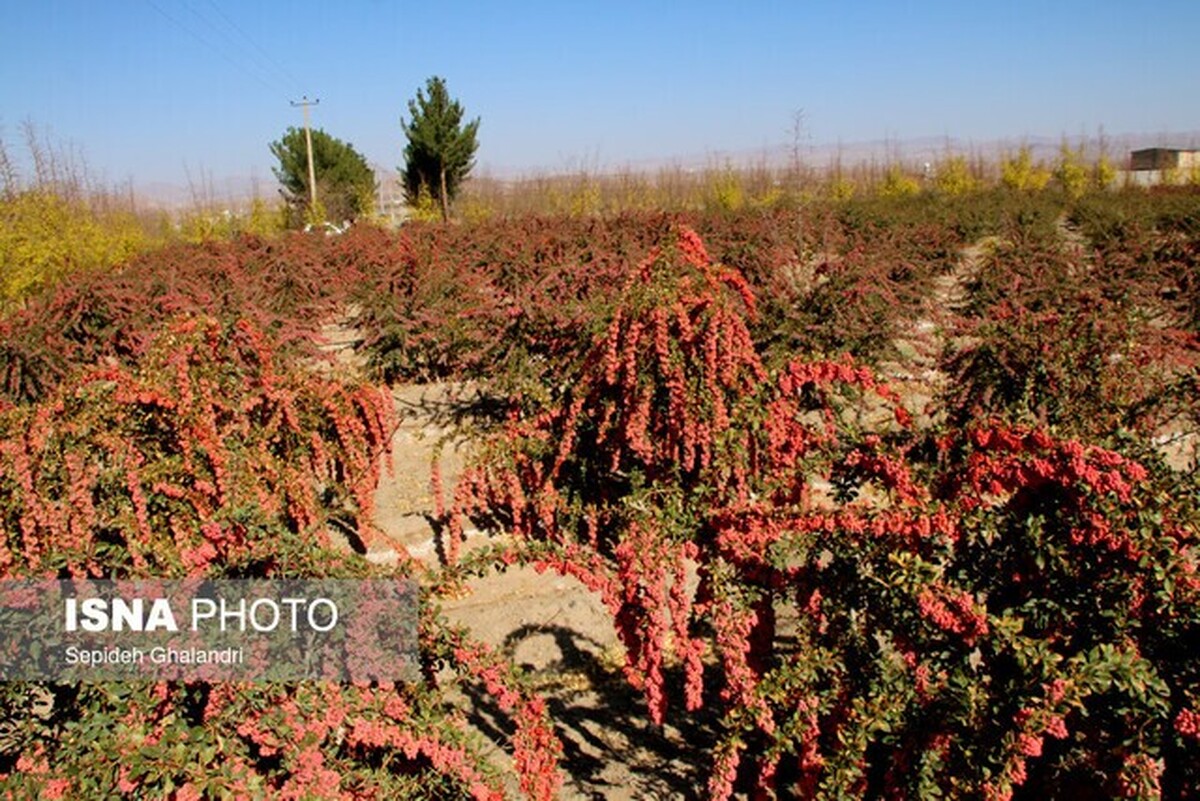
pixel 441 149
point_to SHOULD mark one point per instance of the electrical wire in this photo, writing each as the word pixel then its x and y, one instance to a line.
pixel 254 53
pixel 265 79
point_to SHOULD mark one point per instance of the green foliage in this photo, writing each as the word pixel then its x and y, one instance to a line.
pixel 345 183
pixel 441 150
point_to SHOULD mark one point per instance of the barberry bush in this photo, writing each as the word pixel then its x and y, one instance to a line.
pixel 1003 611
pixel 287 287
pixel 301 740
pixel 999 602
pixel 1094 342
pixel 209 452
pixel 212 457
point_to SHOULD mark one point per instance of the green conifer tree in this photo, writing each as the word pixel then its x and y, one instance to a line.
pixel 441 150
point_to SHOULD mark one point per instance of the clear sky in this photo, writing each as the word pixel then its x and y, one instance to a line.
pixel 154 90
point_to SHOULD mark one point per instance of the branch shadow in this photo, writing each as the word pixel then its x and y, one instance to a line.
pixel 463 409
pixel 611 749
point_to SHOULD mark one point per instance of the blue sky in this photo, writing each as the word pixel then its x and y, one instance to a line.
pixel 157 90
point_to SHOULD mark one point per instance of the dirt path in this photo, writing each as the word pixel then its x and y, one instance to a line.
pixel 914 372
pixel 550 625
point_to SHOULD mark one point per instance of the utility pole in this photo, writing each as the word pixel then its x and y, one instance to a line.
pixel 304 103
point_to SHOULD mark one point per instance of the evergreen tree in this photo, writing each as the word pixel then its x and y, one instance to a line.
pixel 441 149
pixel 345 184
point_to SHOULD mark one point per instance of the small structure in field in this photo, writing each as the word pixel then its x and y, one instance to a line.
pixel 1163 165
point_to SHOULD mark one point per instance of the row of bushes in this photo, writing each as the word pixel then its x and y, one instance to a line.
pixel 996 600
pixel 880 610
pixel 209 453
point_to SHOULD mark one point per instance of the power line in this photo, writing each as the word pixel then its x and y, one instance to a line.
pixel 272 84
pixel 263 58
pixel 238 50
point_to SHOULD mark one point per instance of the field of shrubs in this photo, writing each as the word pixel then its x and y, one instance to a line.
pixel 900 495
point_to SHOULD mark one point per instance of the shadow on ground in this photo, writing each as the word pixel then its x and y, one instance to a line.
pixel 611 750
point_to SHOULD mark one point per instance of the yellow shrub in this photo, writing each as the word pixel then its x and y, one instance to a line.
pixel 1019 172
pixel 1070 173
pixel 840 188
pixel 475 210
pixel 262 220
pixel 425 210
pixel 954 177
pixel 207 225
pixel 634 192
pixel 44 237
pixel 204 226
pixel 1105 174
pixel 584 199
pixel 770 198
pixel 897 184
pixel 315 214
pixel 725 191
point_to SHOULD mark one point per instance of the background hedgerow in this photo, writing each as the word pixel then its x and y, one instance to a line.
pixel 1154 238
pixel 509 301
pixel 517 302
pixel 287 287
pixel 1095 342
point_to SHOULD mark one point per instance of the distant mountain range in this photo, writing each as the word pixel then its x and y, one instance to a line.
pixel 237 191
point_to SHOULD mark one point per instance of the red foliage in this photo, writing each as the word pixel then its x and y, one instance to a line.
pixel 286 288
pixel 676 452
pixel 873 610
pixel 152 470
